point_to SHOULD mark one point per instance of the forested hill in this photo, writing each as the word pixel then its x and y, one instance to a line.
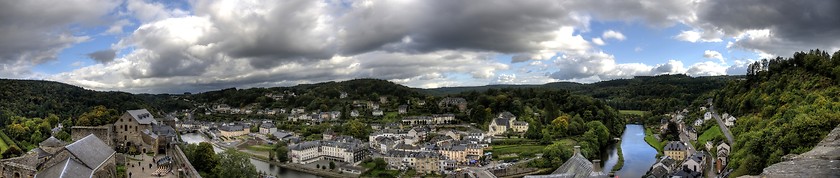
pixel 33 98
pixel 659 94
pixel 324 96
pixel 787 106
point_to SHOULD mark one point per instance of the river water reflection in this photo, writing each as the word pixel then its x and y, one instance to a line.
pixel 638 155
pixel 260 165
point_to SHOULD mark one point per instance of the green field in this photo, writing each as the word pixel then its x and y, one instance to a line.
pixel 260 148
pixel 633 112
pixel 4 142
pixel 652 140
pixel 710 135
pixel 505 151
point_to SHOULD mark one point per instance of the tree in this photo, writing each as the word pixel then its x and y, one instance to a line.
pixel 358 129
pixel 12 152
pixel 556 154
pixel 281 151
pixel 202 156
pixel 332 165
pixel 233 163
pixel 99 115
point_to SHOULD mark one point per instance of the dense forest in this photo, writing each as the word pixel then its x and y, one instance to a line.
pixel 658 94
pixel 787 106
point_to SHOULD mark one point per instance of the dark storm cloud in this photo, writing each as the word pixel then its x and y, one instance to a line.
pixel 104 56
pixel 794 24
pixel 36 30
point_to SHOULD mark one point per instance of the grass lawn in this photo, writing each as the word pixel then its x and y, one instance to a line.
pixel 634 112
pixel 3 145
pixel 502 150
pixel 652 140
pixel 709 135
pixel 260 148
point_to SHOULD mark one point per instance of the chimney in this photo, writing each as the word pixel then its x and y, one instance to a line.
pixel 596 165
pixel 577 149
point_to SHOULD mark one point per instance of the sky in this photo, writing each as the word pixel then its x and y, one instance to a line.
pixel 145 46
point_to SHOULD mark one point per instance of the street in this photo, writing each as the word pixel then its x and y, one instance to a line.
pixel 723 127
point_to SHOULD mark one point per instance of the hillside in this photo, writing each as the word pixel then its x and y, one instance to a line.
pixel 787 105
pixel 658 94
pixel 32 98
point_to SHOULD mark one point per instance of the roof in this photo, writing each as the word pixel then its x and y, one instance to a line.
pixel 576 167
pixel 142 116
pixel 91 151
pixel 232 128
pixel 67 168
pixel 675 146
pixel 52 142
pixel 281 135
pixel 267 125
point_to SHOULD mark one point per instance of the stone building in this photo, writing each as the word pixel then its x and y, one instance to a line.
pixel 133 128
pixel 676 150
pixel 87 157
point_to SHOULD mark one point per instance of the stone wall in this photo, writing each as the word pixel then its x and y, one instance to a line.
pixel 103 132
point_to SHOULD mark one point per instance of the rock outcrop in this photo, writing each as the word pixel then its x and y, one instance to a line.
pixel 822 161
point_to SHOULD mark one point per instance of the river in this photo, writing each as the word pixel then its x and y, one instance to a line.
pixel 638 155
pixel 260 165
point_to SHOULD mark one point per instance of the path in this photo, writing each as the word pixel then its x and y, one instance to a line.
pixel 723 127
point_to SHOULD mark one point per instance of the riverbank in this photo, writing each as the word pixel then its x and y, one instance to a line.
pixel 620 163
pixel 297 167
pixel 652 141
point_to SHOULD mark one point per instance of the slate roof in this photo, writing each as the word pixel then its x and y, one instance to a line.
pixel 267 125
pixel 142 116
pixel 52 142
pixel 67 168
pixel 281 135
pixel 91 151
pixel 232 128
pixel 576 167
pixel 675 146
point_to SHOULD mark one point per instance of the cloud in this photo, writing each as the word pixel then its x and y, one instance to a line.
pixel 35 31
pixel 103 56
pixel 598 41
pixel 710 54
pixel 696 36
pixel 613 34
pixel 791 25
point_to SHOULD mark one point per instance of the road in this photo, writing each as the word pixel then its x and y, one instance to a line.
pixel 710 166
pixel 684 138
pixel 723 127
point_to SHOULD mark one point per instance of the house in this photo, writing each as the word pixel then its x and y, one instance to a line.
pixel 696 162
pixel 730 121
pixel 506 121
pixel 402 109
pixel 130 129
pixel 342 95
pixel 454 152
pixel 576 166
pixel 87 157
pixel 427 162
pixel 342 149
pixel 267 128
pixel 692 133
pixel 722 161
pixel 707 116
pixel 698 122
pixel 663 167
pixel 377 113
pixel 676 150
pixel 233 130
pixel 443 118
pixel 354 113
pixel 460 103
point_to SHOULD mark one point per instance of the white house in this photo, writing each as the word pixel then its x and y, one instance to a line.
pixel 707 116
pixel 730 121
pixel 696 162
